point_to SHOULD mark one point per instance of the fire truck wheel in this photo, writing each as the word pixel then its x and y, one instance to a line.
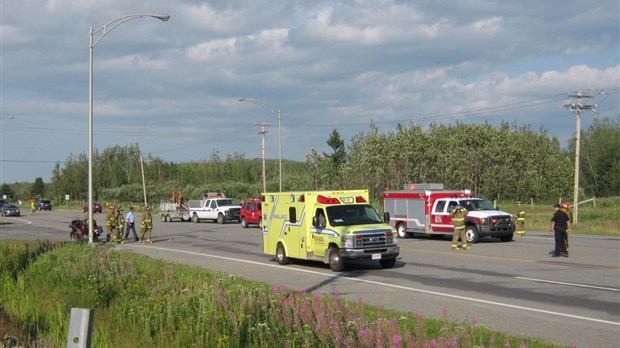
pixel 400 229
pixel 244 223
pixel 387 263
pixel 260 223
pixel 281 255
pixel 336 263
pixel 471 234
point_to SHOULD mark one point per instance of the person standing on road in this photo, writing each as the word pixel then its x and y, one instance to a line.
pixel 520 214
pixel 110 224
pixel 560 227
pixel 566 208
pixel 146 226
pixel 33 207
pixel 119 220
pixel 131 224
pixel 458 214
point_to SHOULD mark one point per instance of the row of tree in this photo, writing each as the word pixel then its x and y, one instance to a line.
pixel 505 162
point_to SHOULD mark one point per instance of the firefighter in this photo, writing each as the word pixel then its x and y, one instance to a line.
pixel 458 214
pixel 119 220
pixel 146 226
pixel 566 208
pixel 520 214
pixel 110 224
pixel 33 207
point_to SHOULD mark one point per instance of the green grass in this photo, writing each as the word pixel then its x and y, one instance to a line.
pixel 600 219
pixel 142 302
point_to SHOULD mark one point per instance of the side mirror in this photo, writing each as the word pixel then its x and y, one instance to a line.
pixel 386 217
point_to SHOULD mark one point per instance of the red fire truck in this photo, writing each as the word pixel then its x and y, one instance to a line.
pixel 425 209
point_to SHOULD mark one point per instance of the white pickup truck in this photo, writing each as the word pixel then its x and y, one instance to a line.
pixel 218 209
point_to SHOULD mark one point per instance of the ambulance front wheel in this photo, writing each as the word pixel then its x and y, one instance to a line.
pixel 281 255
pixel 402 233
pixel 336 263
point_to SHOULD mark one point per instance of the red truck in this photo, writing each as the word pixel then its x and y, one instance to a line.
pixel 425 209
pixel 251 213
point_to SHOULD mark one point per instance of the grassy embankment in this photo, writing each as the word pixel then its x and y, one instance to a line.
pixel 600 219
pixel 141 302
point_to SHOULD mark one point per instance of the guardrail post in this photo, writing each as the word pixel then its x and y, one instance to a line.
pixel 80 328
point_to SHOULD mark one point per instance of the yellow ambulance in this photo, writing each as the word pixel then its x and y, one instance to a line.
pixel 328 226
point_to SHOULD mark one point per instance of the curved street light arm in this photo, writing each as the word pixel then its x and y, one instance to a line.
pixel 260 103
pixel 106 28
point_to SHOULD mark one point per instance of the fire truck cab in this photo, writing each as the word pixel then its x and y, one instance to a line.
pixel 426 208
pixel 329 226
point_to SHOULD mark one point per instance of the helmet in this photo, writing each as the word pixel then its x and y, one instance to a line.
pixel 458 207
pixel 147 209
pixel 112 207
pixel 565 206
pixel 519 203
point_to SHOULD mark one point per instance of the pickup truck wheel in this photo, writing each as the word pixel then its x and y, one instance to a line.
pixel 471 234
pixel 387 263
pixel 281 257
pixel 244 223
pixel 402 233
pixel 336 263
pixel 220 219
pixel 195 218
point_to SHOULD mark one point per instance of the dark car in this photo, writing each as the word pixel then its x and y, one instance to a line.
pixel 96 207
pixel 2 202
pixel 44 204
pixel 251 212
pixel 10 210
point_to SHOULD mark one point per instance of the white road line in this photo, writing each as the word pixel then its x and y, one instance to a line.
pixel 25 222
pixel 571 284
pixel 536 310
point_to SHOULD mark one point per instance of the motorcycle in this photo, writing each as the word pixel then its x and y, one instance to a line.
pixel 79 230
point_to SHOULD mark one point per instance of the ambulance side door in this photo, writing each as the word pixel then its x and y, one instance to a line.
pixel 318 240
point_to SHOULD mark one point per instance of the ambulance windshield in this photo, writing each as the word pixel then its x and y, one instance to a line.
pixel 357 214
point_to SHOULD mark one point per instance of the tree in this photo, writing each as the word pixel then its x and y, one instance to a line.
pixel 38 188
pixel 339 156
pixel 6 190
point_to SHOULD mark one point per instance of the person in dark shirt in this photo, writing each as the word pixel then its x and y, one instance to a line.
pixel 560 226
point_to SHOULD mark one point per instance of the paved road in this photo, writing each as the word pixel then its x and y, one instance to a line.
pixel 513 287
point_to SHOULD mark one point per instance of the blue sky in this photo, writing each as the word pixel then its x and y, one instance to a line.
pixel 172 87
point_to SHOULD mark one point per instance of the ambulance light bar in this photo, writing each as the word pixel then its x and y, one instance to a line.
pixel 327 200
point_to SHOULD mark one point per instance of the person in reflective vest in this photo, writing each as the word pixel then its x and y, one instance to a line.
pixel 520 214
pixel 458 214
pixel 120 225
pixel 146 226
pixel 110 224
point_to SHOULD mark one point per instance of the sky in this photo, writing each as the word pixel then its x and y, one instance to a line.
pixel 173 87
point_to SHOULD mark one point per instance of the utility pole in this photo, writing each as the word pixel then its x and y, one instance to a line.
pixel 576 108
pixel 262 133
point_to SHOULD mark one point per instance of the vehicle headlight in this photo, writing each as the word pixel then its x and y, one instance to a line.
pixel 347 241
pixel 483 221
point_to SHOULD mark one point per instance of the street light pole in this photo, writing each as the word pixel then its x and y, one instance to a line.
pixel 91 45
pixel 262 132
pixel 268 107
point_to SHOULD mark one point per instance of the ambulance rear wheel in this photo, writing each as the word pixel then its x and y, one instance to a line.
pixel 336 263
pixel 387 263
pixel 402 233
pixel 281 255
pixel 471 234
pixel 163 218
